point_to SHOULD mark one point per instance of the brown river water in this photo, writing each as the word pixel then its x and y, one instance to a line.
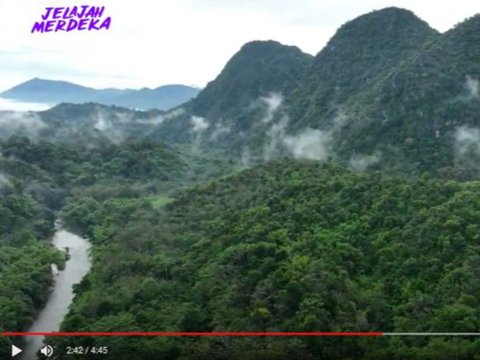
pixel 51 316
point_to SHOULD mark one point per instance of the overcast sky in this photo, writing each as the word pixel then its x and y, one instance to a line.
pixel 151 43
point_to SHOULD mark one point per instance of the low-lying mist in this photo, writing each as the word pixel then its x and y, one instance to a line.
pixel 14 105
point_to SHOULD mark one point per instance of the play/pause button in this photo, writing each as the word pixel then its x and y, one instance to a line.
pixel 15 351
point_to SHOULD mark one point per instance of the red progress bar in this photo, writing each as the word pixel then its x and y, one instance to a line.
pixel 245 334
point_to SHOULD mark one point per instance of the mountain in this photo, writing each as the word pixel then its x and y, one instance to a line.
pixel 257 69
pixel 388 89
pixel 229 110
pixel 426 113
pixel 253 111
pixel 54 92
pixel 362 52
pixel 48 91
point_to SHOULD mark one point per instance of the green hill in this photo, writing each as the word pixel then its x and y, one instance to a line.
pixel 73 164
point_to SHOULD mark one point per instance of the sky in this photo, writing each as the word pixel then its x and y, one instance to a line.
pixel 152 43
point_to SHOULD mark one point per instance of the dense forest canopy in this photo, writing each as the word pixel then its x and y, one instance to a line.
pixel 286 246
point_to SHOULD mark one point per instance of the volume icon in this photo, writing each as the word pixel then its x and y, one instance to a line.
pixel 47 351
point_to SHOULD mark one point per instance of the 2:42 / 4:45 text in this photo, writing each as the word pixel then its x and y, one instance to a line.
pixel 86 350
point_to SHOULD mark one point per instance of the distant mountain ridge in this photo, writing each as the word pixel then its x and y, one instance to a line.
pixel 54 92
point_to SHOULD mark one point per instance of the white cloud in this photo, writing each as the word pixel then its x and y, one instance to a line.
pixel 272 102
pixel 467 148
pixel 155 121
pixel 7 104
pixel 362 162
pixel 20 121
pixel 275 136
pixel 109 126
pixel 199 124
pixel 174 113
pixel 313 144
pixel 102 124
pixel 467 141
pixel 245 157
pixel 219 130
pixel 310 144
pixel 471 85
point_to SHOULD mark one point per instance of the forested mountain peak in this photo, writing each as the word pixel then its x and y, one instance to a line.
pixel 362 52
pixel 379 28
pixel 384 23
pixel 385 34
pixel 424 112
pixel 466 33
pixel 258 68
pixel 238 105
pixel 472 23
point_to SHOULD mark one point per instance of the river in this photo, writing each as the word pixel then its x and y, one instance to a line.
pixel 59 300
